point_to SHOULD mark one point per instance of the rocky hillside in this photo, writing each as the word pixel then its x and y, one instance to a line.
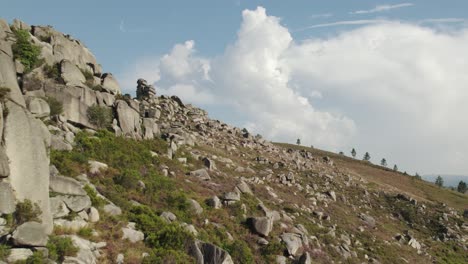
pixel 88 175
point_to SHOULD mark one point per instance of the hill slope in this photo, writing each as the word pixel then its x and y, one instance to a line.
pixel 153 180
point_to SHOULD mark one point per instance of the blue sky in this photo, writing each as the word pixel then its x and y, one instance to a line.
pixel 387 77
pixel 153 27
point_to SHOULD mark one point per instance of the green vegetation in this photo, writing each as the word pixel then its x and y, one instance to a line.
pixel 27 211
pixel 53 72
pixel 353 153
pixel 383 162
pixel 100 116
pixel 56 107
pixel 88 75
pixel 366 157
pixel 26 52
pixel 60 247
pixel 96 201
pixel 85 232
pixel 161 236
pixel 4 251
pixel 4 91
pixel 462 188
pixel 439 181
pixel 240 252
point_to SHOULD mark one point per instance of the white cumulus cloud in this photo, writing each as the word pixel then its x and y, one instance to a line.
pixel 396 89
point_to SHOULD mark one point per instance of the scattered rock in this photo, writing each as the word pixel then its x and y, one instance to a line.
pixel 30 234
pixel 120 259
pixel 19 254
pixel 58 207
pixel 262 225
pixel 112 209
pixel 214 202
pixel 132 235
pixel 208 253
pixel 332 195
pixel 305 259
pixel 65 185
pixel 244 188
pixel 95 166
pixel 201 174
pixel 293 242
pixel 93 215
pixel 168 216
pixel 195 207
pixel 73 225
pixel 76 203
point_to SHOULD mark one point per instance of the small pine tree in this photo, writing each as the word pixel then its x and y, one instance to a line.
pixel 395 167
pixel 298 141
pixel 383 162
pixel 439 181
pixel 462 188
pixel 341 153
pixel 417 176
pixel 353 153
pixel 367 156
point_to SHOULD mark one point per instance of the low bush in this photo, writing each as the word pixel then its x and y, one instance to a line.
pixel 168 256
pixel 25 51
pixel 96 201
pixel 100 116
pixel 60 247
pixel 27 211
pixel 240 252
pixel 53 72
pixel 4 252
pixel 56 107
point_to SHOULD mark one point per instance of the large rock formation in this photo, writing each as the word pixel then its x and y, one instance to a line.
pixel 26 142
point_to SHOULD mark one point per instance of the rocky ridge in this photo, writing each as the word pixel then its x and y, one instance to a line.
pixel 302 202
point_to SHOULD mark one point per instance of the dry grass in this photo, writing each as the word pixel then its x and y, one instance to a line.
pixel 389 180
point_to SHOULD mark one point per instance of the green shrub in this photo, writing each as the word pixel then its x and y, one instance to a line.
pixel 27 211
pixel 128 179
pixel 70 163
pixel 85 232
pixel 100 116
pixel 168 256
pixel 36 258
pixel 273 248
pixel 170 236
pixel 87 74
pixel 60 247
pixel 159 233
pixel 96 201
pixel 26 52
pixel 53 72
pixel 240 252
pixel 56 107
pixel 4 251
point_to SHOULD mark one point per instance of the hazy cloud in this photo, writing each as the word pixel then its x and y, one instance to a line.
pixel 381 8
pixel 345 22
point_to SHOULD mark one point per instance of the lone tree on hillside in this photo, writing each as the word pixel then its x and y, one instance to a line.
pixel 353 153
pixel 366 156
pixel 383 162
pixel 417 176
pixel 298 141
pixel 395 167
pixel 439 181
pixel 462 188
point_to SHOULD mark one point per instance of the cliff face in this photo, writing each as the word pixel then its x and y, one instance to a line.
pixel 153 179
